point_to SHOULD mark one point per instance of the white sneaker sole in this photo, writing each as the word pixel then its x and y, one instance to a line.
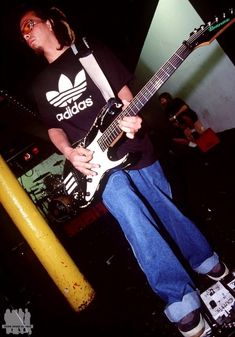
pixel 197 331
pixel 226 272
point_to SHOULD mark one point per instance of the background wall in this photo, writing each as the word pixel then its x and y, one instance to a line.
pixel 206 79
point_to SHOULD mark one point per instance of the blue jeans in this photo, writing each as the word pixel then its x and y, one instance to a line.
pixel 141 202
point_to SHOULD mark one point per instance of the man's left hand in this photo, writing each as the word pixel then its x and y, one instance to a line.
pixel 130 125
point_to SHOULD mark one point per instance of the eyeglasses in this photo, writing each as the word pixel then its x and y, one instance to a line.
pixel 28 26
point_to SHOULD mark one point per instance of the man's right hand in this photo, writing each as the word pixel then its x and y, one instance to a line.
pixel 81 159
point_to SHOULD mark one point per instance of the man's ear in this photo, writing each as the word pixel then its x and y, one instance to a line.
pixel 49 24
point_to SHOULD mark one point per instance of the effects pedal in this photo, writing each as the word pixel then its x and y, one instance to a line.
pixel 219 308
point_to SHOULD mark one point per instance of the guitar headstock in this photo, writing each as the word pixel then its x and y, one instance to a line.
pixel 210 31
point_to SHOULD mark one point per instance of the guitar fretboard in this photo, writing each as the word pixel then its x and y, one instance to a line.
pixel 212 29
pixel 150 88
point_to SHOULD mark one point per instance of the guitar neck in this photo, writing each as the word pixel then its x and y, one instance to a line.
pixel 150 88
pixel 157 80
pixel 204 35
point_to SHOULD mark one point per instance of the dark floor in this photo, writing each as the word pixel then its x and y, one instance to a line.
pixel 124 306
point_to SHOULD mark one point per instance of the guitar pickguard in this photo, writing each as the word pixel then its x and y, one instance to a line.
pixel 83 188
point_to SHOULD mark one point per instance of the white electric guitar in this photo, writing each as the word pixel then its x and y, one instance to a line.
pixel 105 130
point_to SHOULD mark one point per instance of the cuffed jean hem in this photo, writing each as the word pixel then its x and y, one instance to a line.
pixel 177 310
pixel 208 264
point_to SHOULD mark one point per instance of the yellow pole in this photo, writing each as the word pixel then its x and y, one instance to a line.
pixel 43 241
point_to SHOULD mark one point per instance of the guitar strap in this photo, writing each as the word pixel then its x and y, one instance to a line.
pixel 93 69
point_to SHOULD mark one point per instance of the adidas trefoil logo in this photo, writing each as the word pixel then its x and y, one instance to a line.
pixel 67 91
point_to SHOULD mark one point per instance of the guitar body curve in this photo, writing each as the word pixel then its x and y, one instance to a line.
pixel 83 189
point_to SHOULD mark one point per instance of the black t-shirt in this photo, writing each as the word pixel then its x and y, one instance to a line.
pixel 174 106
pixel 67 98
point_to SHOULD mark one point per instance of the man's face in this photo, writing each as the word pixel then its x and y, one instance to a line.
pixel 34 31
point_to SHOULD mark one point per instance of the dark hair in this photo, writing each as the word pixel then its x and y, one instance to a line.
pixel 166 95
pixel 59 22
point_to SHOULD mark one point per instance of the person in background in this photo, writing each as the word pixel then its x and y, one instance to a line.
pixel 69 101
pixel 185 121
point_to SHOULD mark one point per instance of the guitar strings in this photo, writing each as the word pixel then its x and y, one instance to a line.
pixel 155 82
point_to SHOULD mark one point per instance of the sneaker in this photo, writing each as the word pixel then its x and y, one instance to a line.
pixel 192 325
pixel 218 272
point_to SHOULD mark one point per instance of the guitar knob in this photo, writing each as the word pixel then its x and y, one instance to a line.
pixel 89 180
pixel 88 194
